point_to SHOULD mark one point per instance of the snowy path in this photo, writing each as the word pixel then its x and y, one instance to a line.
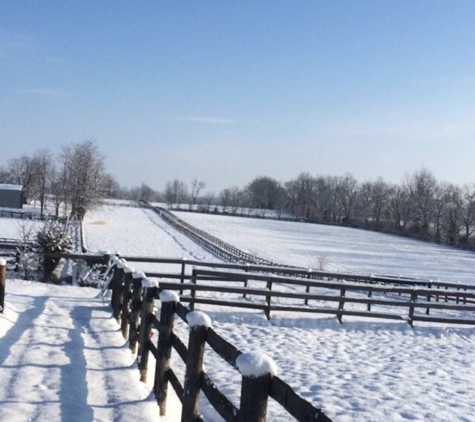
pixel 139 232
pixel 63 358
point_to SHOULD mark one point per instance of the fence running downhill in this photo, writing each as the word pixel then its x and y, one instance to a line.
pixel 133 302
pixel 211 243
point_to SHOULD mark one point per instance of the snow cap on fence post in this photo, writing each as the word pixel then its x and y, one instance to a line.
pixel 256 364
pixel 3 262
pixel 128 270
pixel 138 274
pixel 198 319
pixel 169 296
pixel 121 264
pixel 256 369
pixel 147 283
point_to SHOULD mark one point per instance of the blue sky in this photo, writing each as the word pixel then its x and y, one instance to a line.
pixel 224 91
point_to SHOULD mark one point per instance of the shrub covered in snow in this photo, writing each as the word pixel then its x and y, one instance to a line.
pixel 53 237
pixel 27 263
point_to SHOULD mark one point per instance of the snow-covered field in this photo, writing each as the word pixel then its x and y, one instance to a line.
pixel 138 232
pixel 342 249
pixel 358 371
pixel 13 228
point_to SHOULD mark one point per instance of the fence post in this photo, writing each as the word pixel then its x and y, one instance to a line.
pixel 164 348
pixel 3 282
pixel 17 261
pixel 146 314
pixel 268 298
pixel 246 280
pixel 126 296
pixel 106 257
pixel 307 288
pixel 135 306
pixel 257 370
pixel 194 278
pixel 183 267
pixel 428 299
pixel 411 308
pixel 370 294
pixel 117 291
pixel 199 323
pixel 341 304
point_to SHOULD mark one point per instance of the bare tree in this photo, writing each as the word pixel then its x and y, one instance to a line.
pixel 454 215
pixel 225 199
pixel 235 200
pixel 349 193
pixel 43 164
pixel 146 193
pixel 422 185
pixel 379 196
pixel 264 193
pixel 397 198
pixel 468 214
pixel 21 172
pixel 209 199
pixel 176 192
pixel 85 176
pixel 196 187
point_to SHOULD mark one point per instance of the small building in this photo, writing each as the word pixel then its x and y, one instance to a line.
pixel 11 196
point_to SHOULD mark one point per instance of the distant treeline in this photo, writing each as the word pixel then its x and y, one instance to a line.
pixel 419 207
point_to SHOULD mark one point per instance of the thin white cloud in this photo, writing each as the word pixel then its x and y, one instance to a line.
pixel 216 121
pixel 45 93
pixel 12 42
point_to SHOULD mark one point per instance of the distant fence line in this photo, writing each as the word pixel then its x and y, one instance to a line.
pixel 211 243
pixel 28 215
pixel 255 213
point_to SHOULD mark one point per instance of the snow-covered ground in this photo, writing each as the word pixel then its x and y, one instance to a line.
pixel 339 248
pixel 63 358
pixel 138 232
pixel 13 228
pixel 358 371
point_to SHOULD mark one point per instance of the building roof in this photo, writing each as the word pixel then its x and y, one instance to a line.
pixel 5 186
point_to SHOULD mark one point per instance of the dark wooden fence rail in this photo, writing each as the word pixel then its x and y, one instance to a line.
pixel 418 298
pixel 440 290
pixel 28 215
pixel 3 280
pixel 211 243
pixel 133 304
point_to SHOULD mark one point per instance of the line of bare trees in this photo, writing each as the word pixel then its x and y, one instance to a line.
pixel 74 180
pixel 420 206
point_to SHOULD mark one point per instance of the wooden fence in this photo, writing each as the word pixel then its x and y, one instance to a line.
pixel 330 297
pixel 380 292
pixel 27 215
pixel 3 280
pixel 132 306
pixel 211 243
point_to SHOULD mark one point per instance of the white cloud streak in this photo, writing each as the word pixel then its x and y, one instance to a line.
pixel 45 93
pixel 215 121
